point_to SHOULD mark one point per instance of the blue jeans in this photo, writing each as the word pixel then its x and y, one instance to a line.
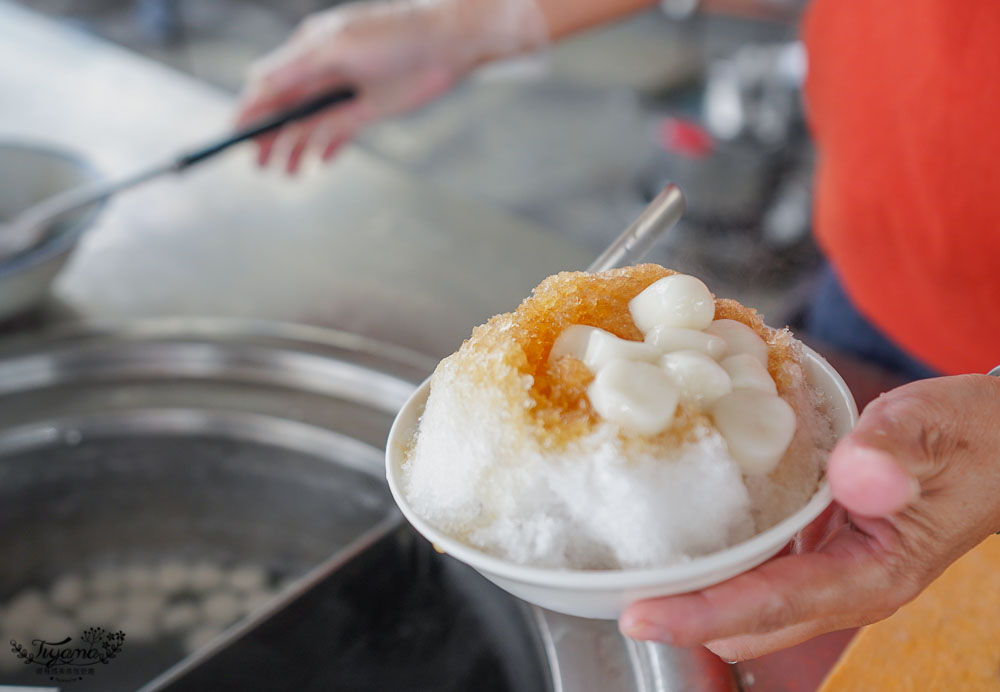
pixel 833 320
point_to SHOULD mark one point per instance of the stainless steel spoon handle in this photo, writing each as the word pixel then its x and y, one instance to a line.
pixel 658 217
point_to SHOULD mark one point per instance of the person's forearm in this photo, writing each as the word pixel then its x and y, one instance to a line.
pixel 568 16
pixel 497 29
pixel 399 54
pixel 564 17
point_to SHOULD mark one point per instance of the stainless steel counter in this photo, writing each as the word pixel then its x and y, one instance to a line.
pixel 355 245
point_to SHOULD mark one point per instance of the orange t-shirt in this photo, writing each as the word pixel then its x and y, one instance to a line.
pixel 904 102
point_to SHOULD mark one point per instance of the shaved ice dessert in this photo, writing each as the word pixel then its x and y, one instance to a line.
pixel 617 420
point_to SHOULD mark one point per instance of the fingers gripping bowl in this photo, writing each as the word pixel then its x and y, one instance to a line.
pixel 620 436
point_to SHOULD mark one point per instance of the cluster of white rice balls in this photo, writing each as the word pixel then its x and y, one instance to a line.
pixel 190 602
pixel 718 366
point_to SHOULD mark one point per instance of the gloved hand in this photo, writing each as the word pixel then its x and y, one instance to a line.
pixel 916 484
pixel 399 54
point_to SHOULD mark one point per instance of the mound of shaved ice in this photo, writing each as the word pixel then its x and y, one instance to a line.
pixel 510 457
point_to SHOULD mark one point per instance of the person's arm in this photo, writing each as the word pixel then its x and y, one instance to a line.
pixel 564 17
pixel 399 54
pixel 916 484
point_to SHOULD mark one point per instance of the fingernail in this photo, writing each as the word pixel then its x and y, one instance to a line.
pixel 644 630
pixel 871 482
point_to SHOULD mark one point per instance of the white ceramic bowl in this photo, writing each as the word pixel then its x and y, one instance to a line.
pixel 30 172
pixel 605 593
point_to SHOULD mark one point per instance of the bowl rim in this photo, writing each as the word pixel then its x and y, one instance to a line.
pixel 60 243
pixel 613 579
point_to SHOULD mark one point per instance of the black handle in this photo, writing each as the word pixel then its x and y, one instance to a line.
pixel 303 110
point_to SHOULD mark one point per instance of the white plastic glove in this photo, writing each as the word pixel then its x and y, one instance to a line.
pixel 399 54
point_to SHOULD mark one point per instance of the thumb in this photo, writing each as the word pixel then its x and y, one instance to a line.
pixel 870 481
pixel 874 471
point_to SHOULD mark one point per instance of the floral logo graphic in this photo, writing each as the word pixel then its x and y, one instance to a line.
pixel 63 658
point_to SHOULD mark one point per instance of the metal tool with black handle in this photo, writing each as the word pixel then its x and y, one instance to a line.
pixel 31 225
